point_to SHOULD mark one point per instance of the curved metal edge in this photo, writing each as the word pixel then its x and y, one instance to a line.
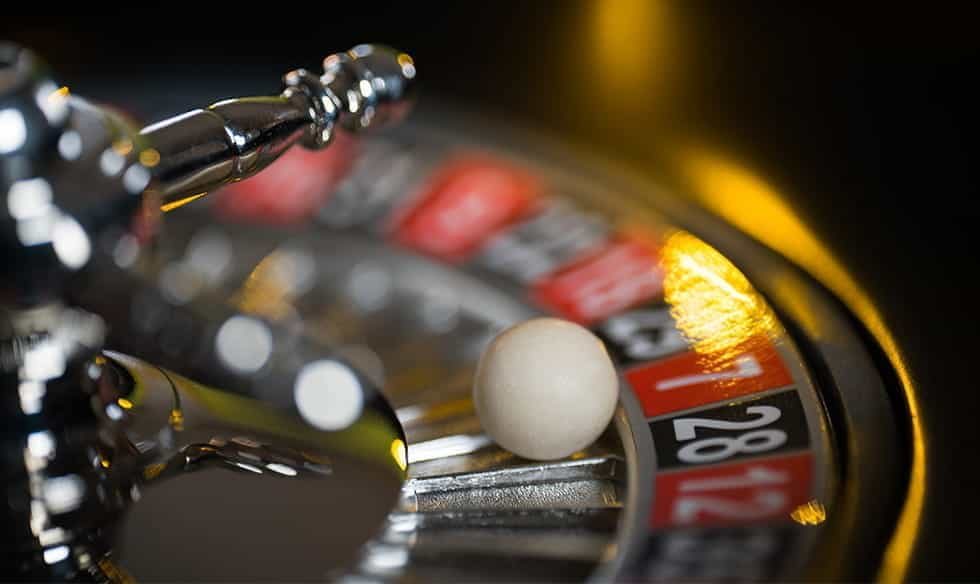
pixel 640 464
pixel 861 466
pixel 862 398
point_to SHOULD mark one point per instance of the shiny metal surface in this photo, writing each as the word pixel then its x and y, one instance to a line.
pixel 229 466
pixel 69 174
pixel 83 435
pixel 467 504
pixel 241 468
pixel 236 138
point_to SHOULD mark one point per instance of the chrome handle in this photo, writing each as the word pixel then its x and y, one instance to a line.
pixel 236 138
pixel 74 178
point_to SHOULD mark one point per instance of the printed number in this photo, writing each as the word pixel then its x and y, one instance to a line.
pixel 458 219
pixel 756 476
pixel 541 244
pixel 645 334
pixel 686 428
pixel 745 366
pixel 715 449
pixel 764 504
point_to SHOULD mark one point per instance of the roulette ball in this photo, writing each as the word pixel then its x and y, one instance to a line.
pixel 240 342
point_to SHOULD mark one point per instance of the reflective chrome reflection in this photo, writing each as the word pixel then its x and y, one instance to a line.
pixel 712 302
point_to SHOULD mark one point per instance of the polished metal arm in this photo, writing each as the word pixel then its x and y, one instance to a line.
pixel 236 138
pixel 77 180
pixel 213 343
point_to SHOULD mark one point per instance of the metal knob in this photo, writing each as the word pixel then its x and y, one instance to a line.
pixel 233 139
pixel 74 174
pixel 76 182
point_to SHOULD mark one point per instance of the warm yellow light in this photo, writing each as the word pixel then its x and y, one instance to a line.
pixel 123 146
pixel 124 403
pixel 105 463
pixel 149 157
pixel 714 305
pixel 268 289
pixel 114 573
pixel 631 47
pixel 59 94
pixel 176 419
pixel 167 207
pixel 152 471
pixel 810 513
pixel 751 204
pixel 399 453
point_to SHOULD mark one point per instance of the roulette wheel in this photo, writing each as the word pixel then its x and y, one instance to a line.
pixel 285 388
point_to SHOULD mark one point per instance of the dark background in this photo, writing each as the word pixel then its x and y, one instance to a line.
pixel 865 120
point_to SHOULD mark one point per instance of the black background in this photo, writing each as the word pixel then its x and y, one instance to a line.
pixel 866 120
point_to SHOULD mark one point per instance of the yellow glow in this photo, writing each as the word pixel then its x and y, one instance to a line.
pixel 714 305
pixel 152 471
pixel 446 409
pixel 105 463
pixel 399 453
pixel 114 573
pixel 124 403
pixel 150 157
pixel 176 419
pixel 58 94
pixel 167 207
pixel 316 459
pixel 749 203
pixel 630 43
pixel 123 146
pixel 268 289
pixel 795 298
pixel 810 513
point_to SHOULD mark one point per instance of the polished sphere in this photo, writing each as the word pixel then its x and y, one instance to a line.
pixel 545 389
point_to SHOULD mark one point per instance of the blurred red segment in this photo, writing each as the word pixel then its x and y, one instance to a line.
pixel 292 188
pixel 624 273
pixel 464 204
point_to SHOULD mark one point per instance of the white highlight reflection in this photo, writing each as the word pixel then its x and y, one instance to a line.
pixel 385 557
pixel 13 130
pixel 63 494
pixel 55 554
pixel 43 361
pixel 31 395
pixel 179 282
pixel 328 395
pixel 209 253
pixel 71 243
pixel 36 230
pixel 29 198
pixel 70 145
pixel 369 286
pixel 126 252
pixel 244 344
pixel 446 447
pixel 111 162
pixel 248 467
pixel 281 469
pixel 135 179
pixel 40 444
pixel 52 103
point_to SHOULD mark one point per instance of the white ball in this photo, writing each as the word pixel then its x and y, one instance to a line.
pixel 545 389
